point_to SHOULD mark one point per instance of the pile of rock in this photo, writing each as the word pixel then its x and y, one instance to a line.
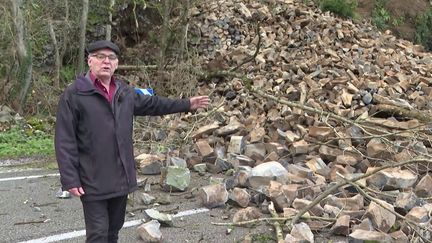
pixel 289 155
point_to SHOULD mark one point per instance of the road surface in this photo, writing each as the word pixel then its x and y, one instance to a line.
pixel 30 212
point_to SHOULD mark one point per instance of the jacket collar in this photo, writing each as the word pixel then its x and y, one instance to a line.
pixel 85 84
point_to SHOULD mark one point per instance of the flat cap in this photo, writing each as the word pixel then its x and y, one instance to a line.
pixel 103 44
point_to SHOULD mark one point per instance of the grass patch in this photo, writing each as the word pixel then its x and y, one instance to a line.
pixel 23 142
pixel 342 8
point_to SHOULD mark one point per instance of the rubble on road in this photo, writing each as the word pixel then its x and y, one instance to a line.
pixel 331 100
pixel 150 232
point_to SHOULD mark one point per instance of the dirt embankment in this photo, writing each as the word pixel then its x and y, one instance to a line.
pixel 406 12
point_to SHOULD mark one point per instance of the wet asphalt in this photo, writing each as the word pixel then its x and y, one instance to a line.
pixel 30 210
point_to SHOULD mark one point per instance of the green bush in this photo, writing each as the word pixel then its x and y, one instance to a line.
pixel 424 30
pixel 67 74
pixel 342 8
pixel 380 15
pixel 21 142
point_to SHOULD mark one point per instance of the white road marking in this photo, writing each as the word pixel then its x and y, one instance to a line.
pixel 28 177
pixel 4 170
pixel 74 234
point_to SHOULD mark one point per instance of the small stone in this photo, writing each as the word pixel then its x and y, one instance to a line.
pixel 200 168
pixel 176 161
pixel 150 232
pixel 290 239
pixel 203 148
pixel 424 187
pixel 233 127
pixel 255 151
pixel 146 199
pixel 193 159
pixel 363 236
pixel 377 149
pixel 302 232
pixel 149 164
pixel 380 217
pixel 242 177
pixel 245 161
pixel 162 218
pixel 212 196
pixel 244 10
pixel 329 154
pixel 263 173
pixel 277 196
pixel 175 178
pixel 318 166
pixel 321 133
pixel 316 210
pixel 300 147
pixel 290 212
pixel 230 95
pixel 341 227
pixel 399 237
pixel 332 211
pixel 367 98
pixel 236 145
pixel 347 159
pixel 405 201
pixel 276 147
pixel 240 196
pixel 290 136
pixel 393 178
pixel 418 215
pixel 164 199
pixel 247 214
pixel 223 164
pixel 366 224
pixel 205 130
pixel 300 171
pixel 257 135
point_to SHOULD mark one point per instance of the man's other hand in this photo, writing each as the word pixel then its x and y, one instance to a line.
pixel 197 102
pixel 77 191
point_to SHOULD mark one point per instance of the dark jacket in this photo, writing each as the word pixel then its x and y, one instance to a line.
pixel 93 138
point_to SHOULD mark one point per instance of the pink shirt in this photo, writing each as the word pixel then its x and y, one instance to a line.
pixel 98 84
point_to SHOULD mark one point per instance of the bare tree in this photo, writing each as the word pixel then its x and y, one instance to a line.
pixel 83 27
pixel 65 31
pixel 56 81
pixel 165 35
pixel 24 54
pixel 108 26
pixel 185 23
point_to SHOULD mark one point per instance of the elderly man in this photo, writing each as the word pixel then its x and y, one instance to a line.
pixel 93 139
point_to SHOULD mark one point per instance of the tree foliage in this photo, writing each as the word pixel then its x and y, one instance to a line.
pixel 53 36
pixel 424 30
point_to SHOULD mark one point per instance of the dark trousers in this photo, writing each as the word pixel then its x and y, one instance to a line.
pixel 104 219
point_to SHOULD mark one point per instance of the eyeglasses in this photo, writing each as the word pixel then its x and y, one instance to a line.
pixel 102 57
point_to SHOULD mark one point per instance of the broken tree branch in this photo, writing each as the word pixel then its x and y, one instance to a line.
pixel 202 119
pixel 403 112
pixel 249 222
pixel 256 50
pixel 410 222
pixel 137 67
pixel 33 222
pixel 276 224
pixel 343 183
pixel 310 109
